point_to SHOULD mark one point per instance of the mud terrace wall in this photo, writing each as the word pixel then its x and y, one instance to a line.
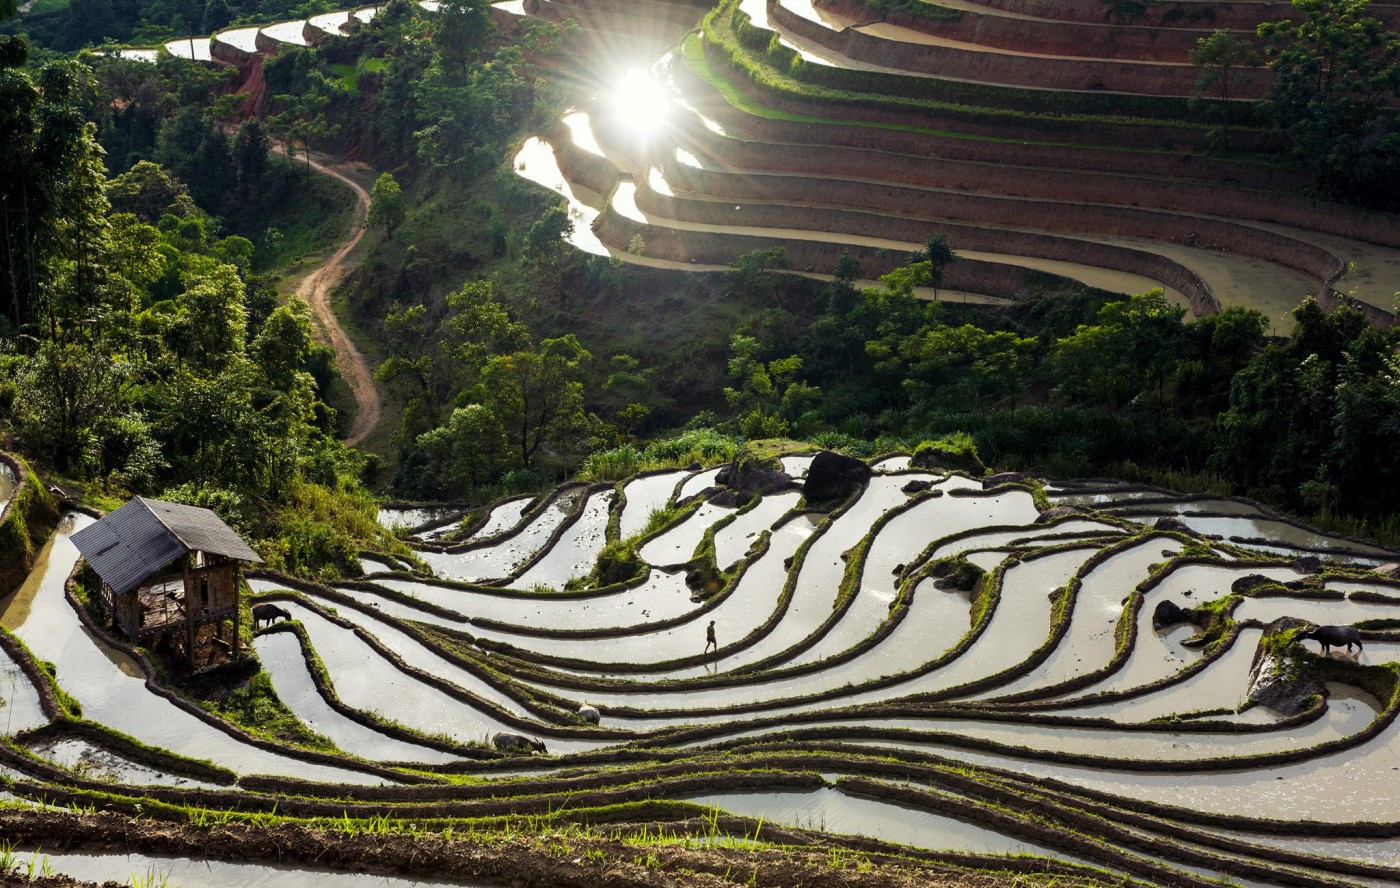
pixel 1064 38
pixel 1044 71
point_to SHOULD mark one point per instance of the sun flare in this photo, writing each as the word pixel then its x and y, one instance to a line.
pixel 640 101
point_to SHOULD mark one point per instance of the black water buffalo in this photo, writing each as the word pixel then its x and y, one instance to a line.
pixel 507 742
pixel 268 613
pixel 1330 636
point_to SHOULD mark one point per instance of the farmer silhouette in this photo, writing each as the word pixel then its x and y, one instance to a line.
pixel 710 638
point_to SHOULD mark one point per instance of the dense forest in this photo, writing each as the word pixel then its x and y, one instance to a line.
pixel 146 220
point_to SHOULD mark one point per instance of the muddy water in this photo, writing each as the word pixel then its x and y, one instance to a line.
pixel 1237 280
pixel 752 601
pixel 644 496
pixel 901 541
pixel 504 558
pixel 1326 613
pixel 405 519
pixel 185 873
pixel 287 32
pixel 110 686
pixel 21 710
pixel 364 680
pixel 934 624
pixel 330 22
pixel 240 38
pixel 1276 532
pixel 830 810
pixel 937 620
pixel 407 648
pixel 1089 642
pixel 503 517
pixel 1352 785
pixel 282 659
pixel 1103 278
pixel 140 54
pixel 576 550
pixel 1158 654
pixel 677 545
pixel 662 596
pixel 96 763
pixel 535 161
pixel 1350 711
pixel 697 482
pixel 797 466
pixel 196 48
pixel 735 539
pixel 373 566
pixel 1224 684
pixel 892 464
pixel 1222 507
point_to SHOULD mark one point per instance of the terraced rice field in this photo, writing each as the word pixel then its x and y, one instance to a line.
pixel 1047 144
pixel 1039 142
pixel 954 668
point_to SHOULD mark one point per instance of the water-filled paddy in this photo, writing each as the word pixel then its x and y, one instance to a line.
pixel 810 648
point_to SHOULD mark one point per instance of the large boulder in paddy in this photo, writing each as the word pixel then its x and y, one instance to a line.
pixel 833 475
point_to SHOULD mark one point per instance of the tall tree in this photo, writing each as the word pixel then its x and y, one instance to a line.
pixel 1224 61
pixel 1336 68
pixel 386 203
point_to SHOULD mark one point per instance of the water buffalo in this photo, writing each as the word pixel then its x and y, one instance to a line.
pixel 507 742
pixel 1328 636
pixel 268 613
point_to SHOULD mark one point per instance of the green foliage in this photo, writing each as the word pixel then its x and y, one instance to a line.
pixel 1312 423
pixel 386 207
pixel 1224 61
pixel 956 451
pixel 618 562
pixel 1336 69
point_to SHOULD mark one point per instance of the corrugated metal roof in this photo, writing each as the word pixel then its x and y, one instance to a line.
pixel 143 536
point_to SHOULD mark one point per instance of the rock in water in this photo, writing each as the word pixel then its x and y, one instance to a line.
pixel 1059 512
pixel 1175 525
pixel 832 476
pixel 1270 683
pixel 747 475
pixel 1308 564
pixel 1167 614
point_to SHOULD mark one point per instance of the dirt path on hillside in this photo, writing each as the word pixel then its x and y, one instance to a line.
pixel 316 289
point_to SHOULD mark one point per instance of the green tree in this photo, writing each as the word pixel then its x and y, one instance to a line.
pixel 938 253
pixel 1224 61
pixel 386 205
pixel 537 395
pixel 1336 68
pixel 770 394
pixel 470 450
pixel 461 30
pixel 547 245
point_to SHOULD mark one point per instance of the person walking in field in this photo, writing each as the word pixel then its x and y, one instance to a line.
pixel 710 638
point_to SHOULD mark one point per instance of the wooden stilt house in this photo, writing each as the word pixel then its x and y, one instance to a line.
pixel 166 568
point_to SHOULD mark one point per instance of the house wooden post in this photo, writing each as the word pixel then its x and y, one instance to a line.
pixel 189 610
pixel 236 575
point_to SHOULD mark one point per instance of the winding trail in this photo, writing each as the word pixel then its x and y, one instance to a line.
pixel 316 289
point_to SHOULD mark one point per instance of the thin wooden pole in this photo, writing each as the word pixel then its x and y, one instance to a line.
pixel 189 612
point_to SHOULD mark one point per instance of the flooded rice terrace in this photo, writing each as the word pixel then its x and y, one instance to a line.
pixel 1113 657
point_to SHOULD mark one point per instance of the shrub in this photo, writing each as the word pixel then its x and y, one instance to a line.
pixel 955 451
